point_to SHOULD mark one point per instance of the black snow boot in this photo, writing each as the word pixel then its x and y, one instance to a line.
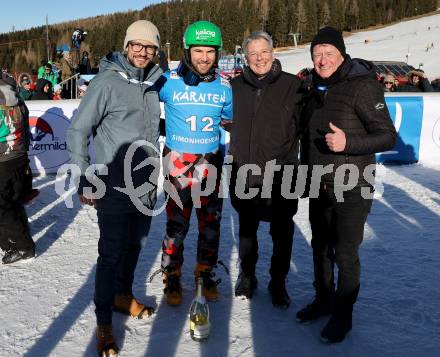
pixel 280 298
pixel 337 328
pixel 246 285
pixel 14 255
pixel 313 311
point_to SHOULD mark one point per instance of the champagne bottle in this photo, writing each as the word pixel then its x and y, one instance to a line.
pixel 199 325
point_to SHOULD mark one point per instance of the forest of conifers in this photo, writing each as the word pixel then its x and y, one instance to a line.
pixel 24 50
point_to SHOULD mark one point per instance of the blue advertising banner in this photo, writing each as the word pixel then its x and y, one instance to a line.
pixel 407 115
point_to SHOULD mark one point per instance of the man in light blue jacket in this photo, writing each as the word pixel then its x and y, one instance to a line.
pixel 121 107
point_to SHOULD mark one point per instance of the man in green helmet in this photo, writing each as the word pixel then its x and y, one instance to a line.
pixel 196 100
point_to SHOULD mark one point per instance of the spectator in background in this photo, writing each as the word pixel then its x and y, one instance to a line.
pixel 78 36
pixel 24 75
pixel 56 71
pixel 417 82
pixel 396 84
pixel 388 83
pixel 41 69
pixel 48 74
pixel 436 84
pixel 25 90
pixel 66 73
pixel 15 175
pixel 66 66
pixel 44 90
pixel 82 89
pixel 57 92
pixel 84 64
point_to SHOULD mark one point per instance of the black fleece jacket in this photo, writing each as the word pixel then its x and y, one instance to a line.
pixel 353 101
pixel 266 118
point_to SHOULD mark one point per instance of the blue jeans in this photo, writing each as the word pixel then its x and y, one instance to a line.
pixel 119 245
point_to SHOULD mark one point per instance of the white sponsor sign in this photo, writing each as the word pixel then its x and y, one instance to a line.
pixel 48 122
pixel 429 152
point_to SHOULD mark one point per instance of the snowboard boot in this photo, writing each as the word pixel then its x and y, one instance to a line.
pixel 209 289
pixel 129 305
pixel 246 285
pixel 173 288
pixel 105 341
pixel 280 297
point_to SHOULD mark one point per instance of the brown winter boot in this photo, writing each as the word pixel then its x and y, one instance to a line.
pixel 105 341
pixel 209 290
pixel 173 288
pixel 129 305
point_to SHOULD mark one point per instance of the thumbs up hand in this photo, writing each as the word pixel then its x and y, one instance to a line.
pixel 336 141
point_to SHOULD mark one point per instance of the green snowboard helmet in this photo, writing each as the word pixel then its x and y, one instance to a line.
pixel 202 33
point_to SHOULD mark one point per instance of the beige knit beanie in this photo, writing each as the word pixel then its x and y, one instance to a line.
pixel 142 30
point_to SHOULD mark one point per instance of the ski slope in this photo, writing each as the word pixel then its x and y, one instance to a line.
pixel 392 43
pixel 46 304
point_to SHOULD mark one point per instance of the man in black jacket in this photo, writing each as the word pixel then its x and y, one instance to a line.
pixel 264 135
pixel 347 122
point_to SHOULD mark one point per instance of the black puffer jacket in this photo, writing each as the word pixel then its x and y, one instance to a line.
pixel 40 94
pixel 353 101
pixel 266 117
pixel 422 86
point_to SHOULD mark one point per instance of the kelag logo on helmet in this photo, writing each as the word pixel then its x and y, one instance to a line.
pixel 48 148
pixel 407 115
pixel 204 35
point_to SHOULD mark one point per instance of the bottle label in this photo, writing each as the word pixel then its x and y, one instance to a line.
pixel 200 331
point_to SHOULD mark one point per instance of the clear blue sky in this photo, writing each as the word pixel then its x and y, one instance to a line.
pixel 23 14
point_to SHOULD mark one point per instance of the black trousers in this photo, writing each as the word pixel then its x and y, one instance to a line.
pixel 14 227
pixel 119 245
pixel 337 232
pixel 281 231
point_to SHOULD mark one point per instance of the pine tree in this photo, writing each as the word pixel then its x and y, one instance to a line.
pixel 278 22
pixel 324 14
pixel 301 18
pixel 352 21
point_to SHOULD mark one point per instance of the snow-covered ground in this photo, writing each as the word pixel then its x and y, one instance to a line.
pixel 392 43
pixel 46 306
